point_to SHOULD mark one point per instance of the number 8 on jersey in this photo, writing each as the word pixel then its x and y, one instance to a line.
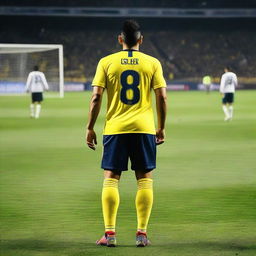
pixel 126 87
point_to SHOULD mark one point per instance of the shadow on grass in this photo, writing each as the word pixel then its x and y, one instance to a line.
pixel 54 246
pixel 42 245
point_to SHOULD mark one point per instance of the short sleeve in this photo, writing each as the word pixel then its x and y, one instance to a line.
pixel 100 76
pixel 158 78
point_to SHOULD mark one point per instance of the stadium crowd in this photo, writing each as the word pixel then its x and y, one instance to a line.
pixel 184 53
pixel 135 3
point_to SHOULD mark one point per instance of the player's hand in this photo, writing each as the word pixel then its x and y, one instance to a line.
pixel 91 139
pixel 160 135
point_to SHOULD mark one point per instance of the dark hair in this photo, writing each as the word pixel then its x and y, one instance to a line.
pixel 228 68
pixel 131 32
pixel 36 68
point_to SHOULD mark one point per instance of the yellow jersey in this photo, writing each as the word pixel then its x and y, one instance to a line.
pixel 129 77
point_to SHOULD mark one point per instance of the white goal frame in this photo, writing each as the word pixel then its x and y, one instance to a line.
pixel 29 48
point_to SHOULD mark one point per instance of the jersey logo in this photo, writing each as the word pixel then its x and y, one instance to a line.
pixel 130 93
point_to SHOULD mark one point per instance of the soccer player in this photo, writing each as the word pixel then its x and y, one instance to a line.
pixel 227 90
pixel 207 82
pixel 36 84
pixel 128 76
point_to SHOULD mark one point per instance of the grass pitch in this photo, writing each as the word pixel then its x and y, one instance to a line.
pixel 204 186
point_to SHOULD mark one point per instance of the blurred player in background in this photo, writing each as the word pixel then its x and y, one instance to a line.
pixel 227 90
pixel 128 76
pixel 36 84
pixel 207 82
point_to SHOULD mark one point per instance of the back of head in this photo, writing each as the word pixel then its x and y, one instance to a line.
pixel 131 33
pixel 227 69
pixel 36 68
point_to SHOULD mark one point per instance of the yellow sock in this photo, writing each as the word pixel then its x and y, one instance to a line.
pixel 144 202
pixel 110 203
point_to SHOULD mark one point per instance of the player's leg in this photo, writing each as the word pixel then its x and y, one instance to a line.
pixel 230 110
pixel 38 109
pixel 144 199
pixel 32 106
pixel 143 159
pixel 110 199
pixel 226 112
pixel 32 110
pixel 38 99
pixel 110 202
pixel 230 106
pixel 114 161
pixel 143 202
pixel 225 108
pixel 207 88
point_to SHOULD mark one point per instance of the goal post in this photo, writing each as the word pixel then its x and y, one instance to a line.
pixel 17 60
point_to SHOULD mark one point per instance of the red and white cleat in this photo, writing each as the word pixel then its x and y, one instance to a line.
pixel 141 239
pixel 109 240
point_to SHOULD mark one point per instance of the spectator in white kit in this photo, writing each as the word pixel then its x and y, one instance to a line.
pixel 227 89
pixel 36 84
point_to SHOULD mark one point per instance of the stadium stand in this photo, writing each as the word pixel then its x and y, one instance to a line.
pixel 187 49
pixel 135 3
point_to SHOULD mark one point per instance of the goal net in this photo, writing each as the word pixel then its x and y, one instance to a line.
pixel 18 60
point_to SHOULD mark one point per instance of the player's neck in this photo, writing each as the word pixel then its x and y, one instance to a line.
pixel 135 47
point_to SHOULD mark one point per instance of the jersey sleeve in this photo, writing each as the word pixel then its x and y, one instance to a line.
pixel 28 83
pixel 235 80
pixel 100 76
pixel 222 84
pixel 158 80
pixel 46 86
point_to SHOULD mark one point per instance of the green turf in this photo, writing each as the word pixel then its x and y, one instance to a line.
pixel 205 183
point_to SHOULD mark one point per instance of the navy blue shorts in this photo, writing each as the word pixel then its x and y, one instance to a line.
pixel 140 148
pixel 228 98
pixel 37 96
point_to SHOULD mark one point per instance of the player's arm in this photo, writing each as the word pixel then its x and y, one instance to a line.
pixel 159 86
pixel 95 104
pixel 161 108
pixel 235 80
pixel 28 83
pixel 99 83
pixel 222 84
pixel 46 86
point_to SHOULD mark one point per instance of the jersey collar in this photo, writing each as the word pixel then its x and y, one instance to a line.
pixel 130 50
